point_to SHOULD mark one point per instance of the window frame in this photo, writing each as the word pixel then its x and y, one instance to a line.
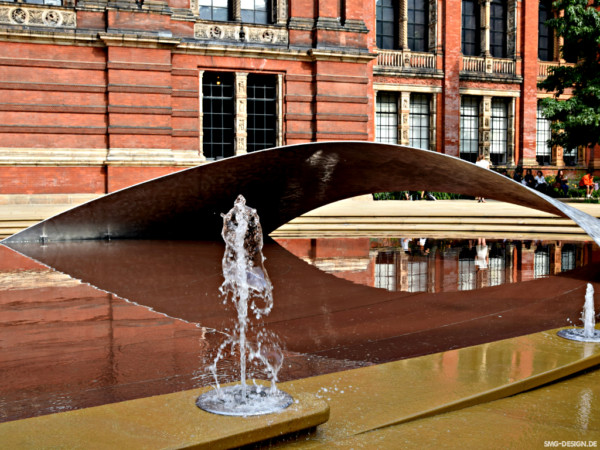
pixel 390 114
pixel 499 131
pixel 420 119
pixel 474 33
pixel 387 40
pixel 469 115
pixel 414 43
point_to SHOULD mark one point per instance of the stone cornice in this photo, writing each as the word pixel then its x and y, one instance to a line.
pixel 227 32
pixel 50 36
pixel 27 15
pixel 200 48
pixel 138 40
pixel 340 55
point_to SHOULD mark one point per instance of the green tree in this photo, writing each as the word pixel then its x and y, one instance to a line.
pixel 576 121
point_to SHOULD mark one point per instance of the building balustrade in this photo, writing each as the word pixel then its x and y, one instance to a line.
pixel 483 64
pixel 544 67
pixel 405 59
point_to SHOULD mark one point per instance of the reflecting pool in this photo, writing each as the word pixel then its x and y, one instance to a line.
pixel 94 322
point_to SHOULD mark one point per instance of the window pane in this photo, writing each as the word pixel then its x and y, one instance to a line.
pixel 262 112
pixel 418 21
pixel 545 42
pixel 386 24
pixel 470 28
pixel 218 113
pixel 386 118
pixel 543 151
pixel 498 28
pixel 419 121
pixel 499 130
pixel 469 128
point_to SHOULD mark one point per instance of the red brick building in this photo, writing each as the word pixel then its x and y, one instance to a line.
pixel 96 95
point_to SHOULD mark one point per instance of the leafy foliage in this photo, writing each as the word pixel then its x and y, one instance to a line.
pixel 576 121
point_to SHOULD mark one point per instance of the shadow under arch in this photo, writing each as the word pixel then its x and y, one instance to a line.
pixel 282 183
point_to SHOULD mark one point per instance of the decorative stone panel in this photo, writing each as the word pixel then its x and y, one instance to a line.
pixel 39 17
pixel 236 33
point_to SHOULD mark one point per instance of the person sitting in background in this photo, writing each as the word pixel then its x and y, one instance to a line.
pixel 588 181
pixel 560 182
pixel 540 182
pixel 518 176
pixel 528 179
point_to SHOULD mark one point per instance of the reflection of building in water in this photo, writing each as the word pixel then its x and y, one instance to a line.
pixel 385 270
pixel 439 265
pixel 541 262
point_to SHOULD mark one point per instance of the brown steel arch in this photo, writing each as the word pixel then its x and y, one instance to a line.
pixel 282 183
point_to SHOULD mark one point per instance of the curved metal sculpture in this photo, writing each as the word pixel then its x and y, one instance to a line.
pixel 282 183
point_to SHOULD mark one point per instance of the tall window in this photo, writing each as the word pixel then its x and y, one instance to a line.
pixel 386 26
pixel 262 112
pixel 417 274
pixel 469 128
pixel 541 262
pixel 419 121
pixel 499 131
pixel 255 11
pixel 385 271
pixel 213 10
pixel 417 30
pixel 567 257
pixel 218 114
pixel 497 267
pixel 545 37
pixel 498 28
pixel 543 151
pixel 471 34
pixel 386 118
pixel 467 276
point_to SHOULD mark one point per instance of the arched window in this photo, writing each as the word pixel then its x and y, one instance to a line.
pixel 387 24
pixel 471 31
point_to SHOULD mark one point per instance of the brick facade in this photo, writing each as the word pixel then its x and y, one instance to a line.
pixel 97 95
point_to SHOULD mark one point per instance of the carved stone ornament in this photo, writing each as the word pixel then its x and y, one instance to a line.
pixel 230 32
pixel 40 17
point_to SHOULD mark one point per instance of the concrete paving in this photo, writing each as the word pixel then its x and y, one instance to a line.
pixel 443 400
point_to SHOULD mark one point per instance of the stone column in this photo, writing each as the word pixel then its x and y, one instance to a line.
pixel 484 10
pixel 403 25
pixel 241 114
pixel 485 130
pixel 236 10
pixel 279 10
pixel 511 133
pixel 403 118
pixel 433 25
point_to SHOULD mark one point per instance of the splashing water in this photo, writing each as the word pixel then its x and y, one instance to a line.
pixel 588 314
pixel 248 288
pixel 588 317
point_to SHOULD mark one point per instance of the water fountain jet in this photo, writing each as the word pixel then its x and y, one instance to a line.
pixel 248 287
pixel 588 333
